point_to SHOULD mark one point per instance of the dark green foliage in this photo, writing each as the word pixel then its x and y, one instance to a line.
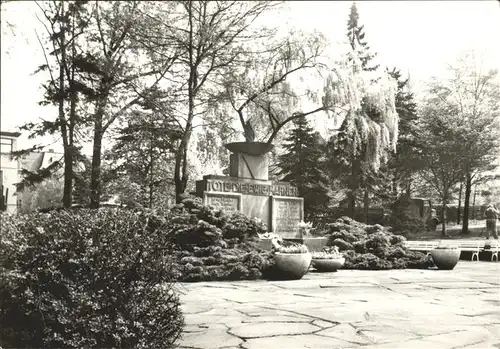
pixel 147 142
pixel 405 162
pixel 402 221
pixel 213 246
pixel 365 261
pixel 356 35
pixel 87 278
pixel 303 166
pixel 372 247
pixel 342 244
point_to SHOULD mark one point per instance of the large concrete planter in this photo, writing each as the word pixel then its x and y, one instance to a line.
pixel 292 265
pixel 328 265
pixel 445 258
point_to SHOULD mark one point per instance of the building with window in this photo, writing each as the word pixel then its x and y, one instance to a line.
pixel 10 169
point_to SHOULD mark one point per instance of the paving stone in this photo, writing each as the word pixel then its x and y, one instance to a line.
pixel 255 330
pixel 394 309
pixel 297 342
pixel 483 345
pixel 277 318
pixel 345 332
pixel 470 336
pixel 323 324
pixel 213 339
pixel 385 334
pixel 494 330
pixel 411 344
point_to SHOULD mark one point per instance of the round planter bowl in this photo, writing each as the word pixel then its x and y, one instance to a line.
pixel 250 148
pixel 445 259
pixel 292 265
pixel 328 264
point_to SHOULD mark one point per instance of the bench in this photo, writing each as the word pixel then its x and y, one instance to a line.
pixel 494 248
pixel 421 246
pixel 473 246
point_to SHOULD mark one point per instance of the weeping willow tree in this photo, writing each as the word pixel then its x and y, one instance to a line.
pixel 267 93
pixel 368 130
pixel 296 78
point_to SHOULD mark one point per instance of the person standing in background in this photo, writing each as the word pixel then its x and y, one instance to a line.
pixel 491 221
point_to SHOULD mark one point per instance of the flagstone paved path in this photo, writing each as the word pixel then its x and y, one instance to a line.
pixel 349 309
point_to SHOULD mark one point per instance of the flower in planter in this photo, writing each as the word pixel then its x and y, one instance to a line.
pixel 293 249
pixel 289 247
pixel 276 240
pixel 270 235
pixel 330 259
pixel 292 261
pixel 332 253
pixel 304 228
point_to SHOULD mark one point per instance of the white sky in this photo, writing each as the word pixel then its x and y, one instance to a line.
pixel 418 37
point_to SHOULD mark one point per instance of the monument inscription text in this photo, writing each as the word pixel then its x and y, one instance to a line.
pixel 287 213
pixel 250 188
pixel 226 203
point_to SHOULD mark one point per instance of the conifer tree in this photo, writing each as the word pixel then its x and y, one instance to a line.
pixel 303 166
pixel 356 35
pixel 405 162
pixel 348 153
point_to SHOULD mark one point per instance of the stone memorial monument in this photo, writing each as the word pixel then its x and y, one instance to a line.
pixel 248 189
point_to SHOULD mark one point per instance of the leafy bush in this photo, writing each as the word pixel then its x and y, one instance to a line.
pixel 372 247
pixel 213 246
pixel 402 220
pixel 87 278
pixel 406 225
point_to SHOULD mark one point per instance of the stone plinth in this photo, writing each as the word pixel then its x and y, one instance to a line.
pixel 287 212
pixel 249 190
pixel 275 203
pixel 248 166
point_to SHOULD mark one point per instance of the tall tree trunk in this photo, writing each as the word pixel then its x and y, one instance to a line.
pixel 180 169
pixel 151 163
pixel 95 176
pixel 69 160
pixel 443 219
pixel 353 184
pixel 62 119
pixel 474 203
pixel 95 180
pixel 366 205
pixel 468 190
pixel 459 203
pixel 408 187
pixel 394 186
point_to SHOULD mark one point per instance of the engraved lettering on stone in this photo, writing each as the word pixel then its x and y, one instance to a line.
pixel 287 213
pixel 250 188
pixel 224 203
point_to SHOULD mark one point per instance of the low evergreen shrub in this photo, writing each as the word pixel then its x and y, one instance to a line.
pixel 372 247
pixel 212 246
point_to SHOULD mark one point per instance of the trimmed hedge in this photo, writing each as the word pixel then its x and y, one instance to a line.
pixel 87 278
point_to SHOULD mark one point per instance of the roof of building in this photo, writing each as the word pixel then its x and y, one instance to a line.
pixel 10 134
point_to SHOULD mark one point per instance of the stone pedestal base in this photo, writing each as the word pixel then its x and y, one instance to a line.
pixel 248 166
pixel 275 204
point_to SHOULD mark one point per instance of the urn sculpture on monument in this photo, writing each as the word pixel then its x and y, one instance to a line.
pixel 248 189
